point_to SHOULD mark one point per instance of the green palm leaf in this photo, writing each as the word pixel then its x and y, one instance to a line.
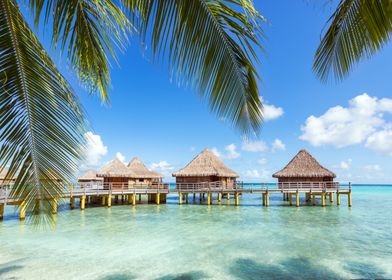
pixel 358 29
pixel 209 46
pixel 41 121
pixel 89 30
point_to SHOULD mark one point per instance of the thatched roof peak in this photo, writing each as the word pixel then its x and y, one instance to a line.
pixel 206 163
pixel 115 168
pixel 304 165
pixel 139 169
pixel 90 175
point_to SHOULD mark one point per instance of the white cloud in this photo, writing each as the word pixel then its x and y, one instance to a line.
pixel 361 121
pixel 372 167
pixel 262 161
pixel 254 146
pixel 95 149
pixel 231 152
pixel 120 156
pixel 278 145
pixel 216 152
pixel 271 112
pixel 380 141
pixel 255 174
pixel 346 164
pixel 163 167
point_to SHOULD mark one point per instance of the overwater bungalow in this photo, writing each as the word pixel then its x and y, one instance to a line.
pixel 206 169
pixel 141 174
pixel 304 170
pixel 115 174
pixel 90 179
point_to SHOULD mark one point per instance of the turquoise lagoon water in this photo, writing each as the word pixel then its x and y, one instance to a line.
pixel 207 242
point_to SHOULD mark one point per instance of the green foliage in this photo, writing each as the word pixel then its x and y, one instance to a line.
pixel 357 30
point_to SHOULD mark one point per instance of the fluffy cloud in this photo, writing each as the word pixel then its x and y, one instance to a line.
pixel 254 146
pixel 278 145
pixel 380 141
pixel 216 152
pixel 346 164
pixel 120 156
pixel 271 112
pixel 372 167
pixel 255 174
pixel 231 152
pixel 163 167
pixel 361 122
pixel 95 149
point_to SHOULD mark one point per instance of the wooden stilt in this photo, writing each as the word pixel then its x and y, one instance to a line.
pixel 323 199
pixel 130 198
pixel 209 194
pixel 331 197
pixel 263 199
pixel 1 211
pixel 297 199
pixel 350 201
pixel 109 200
pixel 194 196
pixel 82 202
pixel 116 199
pixel 158 198
pixel 219 196
pixel 186 199
pixel 267 199
pixel 236 199
pixel 103 200
pixel 140 197
pixel 133 199
pixel 291 199
pixel 22 210
pixel 72 202
pixel 180 198
pixel 313 199
pixel 337 198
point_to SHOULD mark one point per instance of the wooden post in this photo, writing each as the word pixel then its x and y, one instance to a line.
pixel 307 196
pixel 236 199
pixel 103 201
pixel 72 202
pixel 291 199
pixel 109 200
pixel 55 206
pixel 140 197
pixel 313 199
pixel 82 202
pixel 180 198
pixel 331 197
pixel 209 198
pixel 130 198
pixel 266 198
pixel 158 198
pixel 1 211
pixel 297 199
pixel 350 200
pixel 337 198
pixel 186 198
pixel 219 196
pixel 200 197
pixel 228 196
pixel 263 195
pixel 116 199
pixel 323 199
pixel 22 211
pixel 194 197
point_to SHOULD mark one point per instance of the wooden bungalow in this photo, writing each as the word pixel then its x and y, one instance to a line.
pixel 115 175
pixel 206 167
pixel 304 169
pixel 141 174
pixel 90 179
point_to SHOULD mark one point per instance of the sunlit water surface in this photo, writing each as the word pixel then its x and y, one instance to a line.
pixel 207 242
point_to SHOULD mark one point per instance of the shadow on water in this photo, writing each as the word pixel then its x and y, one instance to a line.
pixel 118 276
pixel 365 270
pixel 298 268
pixel 193 275
pixel 10 267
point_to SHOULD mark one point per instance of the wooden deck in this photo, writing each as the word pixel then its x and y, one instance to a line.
pixel 207 193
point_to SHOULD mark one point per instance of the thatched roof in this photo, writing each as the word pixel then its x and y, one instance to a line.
pixel 137 167
pixel 90 175
pixel 304 165
pixel 206 164
pixel 115 168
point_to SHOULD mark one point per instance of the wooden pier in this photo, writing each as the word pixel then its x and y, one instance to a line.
pixel 107 194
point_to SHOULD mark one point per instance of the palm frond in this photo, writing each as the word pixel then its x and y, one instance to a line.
pixel 90 30
pixel 357 30
pixel 41 121
pixel 210 47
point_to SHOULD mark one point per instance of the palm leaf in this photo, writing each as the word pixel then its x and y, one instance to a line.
pixel 210 47
pixel 41 121
pixel 89 30
pixel 358 29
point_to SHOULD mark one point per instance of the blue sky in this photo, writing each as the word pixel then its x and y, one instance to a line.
pixel 166 126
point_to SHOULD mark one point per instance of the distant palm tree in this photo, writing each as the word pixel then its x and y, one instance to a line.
pixel 208 44
pixel 357 29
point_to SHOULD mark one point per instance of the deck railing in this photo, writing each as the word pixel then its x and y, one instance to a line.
pixel 308 185
pixel 218 185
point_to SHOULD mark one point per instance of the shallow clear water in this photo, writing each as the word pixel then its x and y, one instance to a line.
pixel 198 241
